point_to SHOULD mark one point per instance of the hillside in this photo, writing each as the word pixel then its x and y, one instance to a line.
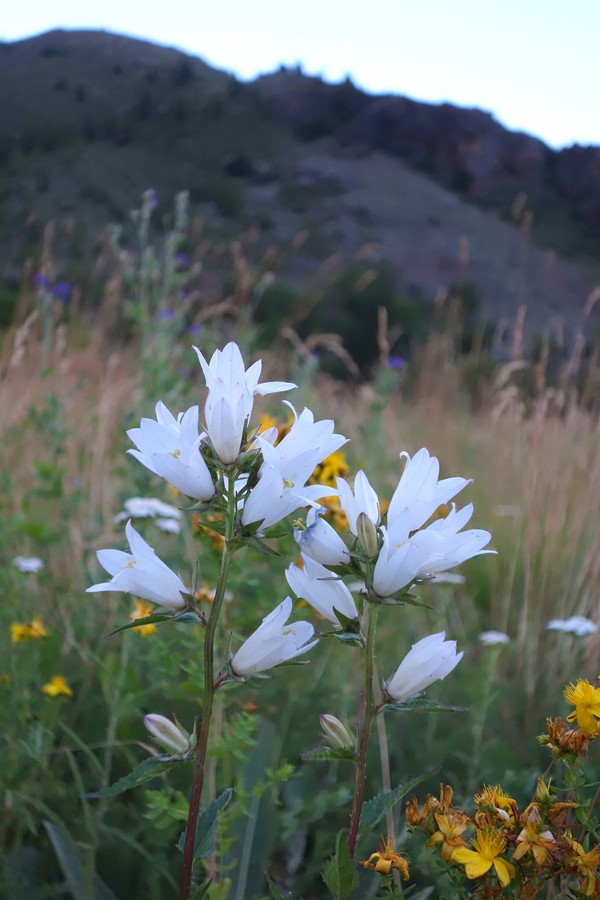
pixel 89 120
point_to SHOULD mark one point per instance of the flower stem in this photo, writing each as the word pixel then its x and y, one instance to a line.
pixel 364 731
pixel 207 704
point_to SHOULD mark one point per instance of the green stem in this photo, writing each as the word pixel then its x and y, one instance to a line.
pixel 364 731
pixel 207 705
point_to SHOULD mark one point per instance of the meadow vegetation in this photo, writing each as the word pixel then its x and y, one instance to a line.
pixel 524 428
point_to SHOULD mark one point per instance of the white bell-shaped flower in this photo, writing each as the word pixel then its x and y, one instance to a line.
pixel 429 660
pixel 406 556
pixel 362 500
pixel 141 573
pixel 320 541
pixel 231 391
pixel 273 642
pixel 170 447
pixel 323 590
pixel 419 493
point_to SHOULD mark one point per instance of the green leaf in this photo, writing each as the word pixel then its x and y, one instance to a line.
pixel 324 754
pixel 206 826
pixel 420 704
pixel 155 618
pixel 73 867
pixel 339 874
pixel 275 892
pixel 374 810
pixel 147 769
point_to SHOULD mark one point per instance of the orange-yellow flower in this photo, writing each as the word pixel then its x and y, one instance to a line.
pixel 586 700
pixel 57 685
pixel 488 845
pixel 386 859
pixel 586 865
pixel 494 800
pixel 533 839
pixel 142 609
pixel 450 828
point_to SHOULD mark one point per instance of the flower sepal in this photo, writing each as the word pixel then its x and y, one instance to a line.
pixel 400 598
pixel 326 754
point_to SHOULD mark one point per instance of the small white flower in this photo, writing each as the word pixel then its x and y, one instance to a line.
pixel 141 573
pixel 322 589
pixel 146 507
pixel 577 625
pixel 28 563
pixel 231 391
pixel 170 526
pixel 362 500
pixel 171 737
pixel 170 447
pixel 320 541
pixel 447 578
pixel 273 642
pixel 429 660
pixel 494 637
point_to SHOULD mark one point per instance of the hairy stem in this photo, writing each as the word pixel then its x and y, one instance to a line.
pixel 364 731
pixel 207 704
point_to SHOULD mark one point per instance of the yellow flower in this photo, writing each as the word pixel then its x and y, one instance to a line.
pixel 22 631
pixel 386 859
pixel 586 700
pixel 142 609
pixel 57 685
pixel 265 422
pixel 493 799
pixel 450 828
pixel 19 631
pixel 333 466
pixel 37 629
pixel 532 838
pixel 586 864
pixel 488 844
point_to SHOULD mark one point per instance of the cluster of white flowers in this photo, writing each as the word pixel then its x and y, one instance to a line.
pixel 207 455
pixel 411 549
pixel 577 625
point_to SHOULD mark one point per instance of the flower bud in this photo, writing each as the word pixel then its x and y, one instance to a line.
pixel 542 792
pixel 337 735
pixel 367 534
pixel 171 737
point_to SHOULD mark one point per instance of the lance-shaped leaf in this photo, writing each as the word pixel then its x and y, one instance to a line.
pixel 374 810
pixel 339 874
pixel 206 828
pixel 147 769
pixel 154 619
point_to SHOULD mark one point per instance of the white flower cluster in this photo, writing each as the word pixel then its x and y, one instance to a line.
pixel 417 539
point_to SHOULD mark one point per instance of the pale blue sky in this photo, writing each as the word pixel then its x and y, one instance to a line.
pixel 533 63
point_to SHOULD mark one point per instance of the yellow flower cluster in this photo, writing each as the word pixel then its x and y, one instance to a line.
pixel 141 611
pixel 24 631
pixel 535 847
pixel 56 686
